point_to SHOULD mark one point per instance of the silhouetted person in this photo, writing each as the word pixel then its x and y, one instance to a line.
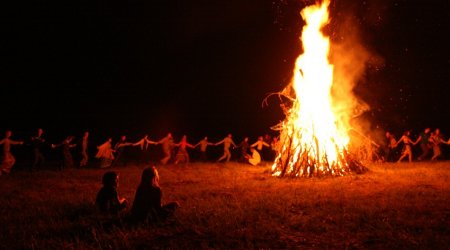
pixel 244 145
pixel 67 159
pixel 147 206
pixel 167 146
pixel 227 142
pixel 108 201
pixel 424 142
pixel 8 159
pixel 37 143
pixel 275 147
pixel 119 147
pixel 203 146
pixel 391 142
pixel 84 149
pixel 143 146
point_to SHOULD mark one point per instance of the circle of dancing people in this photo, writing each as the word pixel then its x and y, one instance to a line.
pixel 109 154
pixel 265 148
pixel 429 141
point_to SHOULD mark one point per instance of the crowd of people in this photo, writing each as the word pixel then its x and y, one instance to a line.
pixel 147 206
pixel 429 141
pixel 266 148
pixel 111 155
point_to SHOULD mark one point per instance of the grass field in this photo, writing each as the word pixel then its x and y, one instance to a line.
pixel 229 206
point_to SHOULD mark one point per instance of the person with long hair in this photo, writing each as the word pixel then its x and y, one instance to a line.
pixel 108 201
pixel 147 206
pixel 105 153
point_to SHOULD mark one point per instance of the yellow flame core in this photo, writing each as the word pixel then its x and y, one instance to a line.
pixel 313 139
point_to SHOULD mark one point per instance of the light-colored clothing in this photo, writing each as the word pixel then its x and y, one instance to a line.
pixel 255 159
pixel 105 153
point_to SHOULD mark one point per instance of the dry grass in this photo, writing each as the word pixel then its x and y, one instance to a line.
pixel 229 206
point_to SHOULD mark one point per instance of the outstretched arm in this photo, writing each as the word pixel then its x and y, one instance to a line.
pixel 16 142
pixel 125 144
pixel 445 142
pixel 57 145
pixel 418 139
pixel 218 143
pixel 140 142
pixel 151 142
pixel 398 142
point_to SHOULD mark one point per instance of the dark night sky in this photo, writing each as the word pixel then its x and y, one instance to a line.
pixel 204 66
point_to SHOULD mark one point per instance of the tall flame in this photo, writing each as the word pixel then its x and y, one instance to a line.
pixel 314 138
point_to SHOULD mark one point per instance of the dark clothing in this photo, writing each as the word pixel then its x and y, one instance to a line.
pixel 67 159
pixel 244 151
pixel 147 205
pixel 37 144
pixel 425 145
pixel 108 201
pixel 120 158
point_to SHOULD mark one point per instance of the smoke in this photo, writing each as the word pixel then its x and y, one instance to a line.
pixel 351 60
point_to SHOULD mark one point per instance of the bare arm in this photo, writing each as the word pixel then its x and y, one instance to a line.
pixel 151 142
pixel 418 139
pixel 15 142
pixel 398 142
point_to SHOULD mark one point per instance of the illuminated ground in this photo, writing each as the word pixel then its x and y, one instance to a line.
pixel 231 205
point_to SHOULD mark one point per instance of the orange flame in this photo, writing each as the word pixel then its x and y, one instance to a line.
pixel 314 137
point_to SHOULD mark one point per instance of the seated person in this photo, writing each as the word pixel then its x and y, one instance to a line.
pixel 107 199
pixel 255 158
pixel 147 206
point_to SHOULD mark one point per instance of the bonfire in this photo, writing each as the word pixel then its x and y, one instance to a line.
pixel 314 136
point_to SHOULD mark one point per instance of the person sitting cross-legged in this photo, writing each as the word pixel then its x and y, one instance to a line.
pixel 147 207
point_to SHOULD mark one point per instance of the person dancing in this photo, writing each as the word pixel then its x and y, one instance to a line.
pixel 8 159
pixel 406 146
pixel 227 142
